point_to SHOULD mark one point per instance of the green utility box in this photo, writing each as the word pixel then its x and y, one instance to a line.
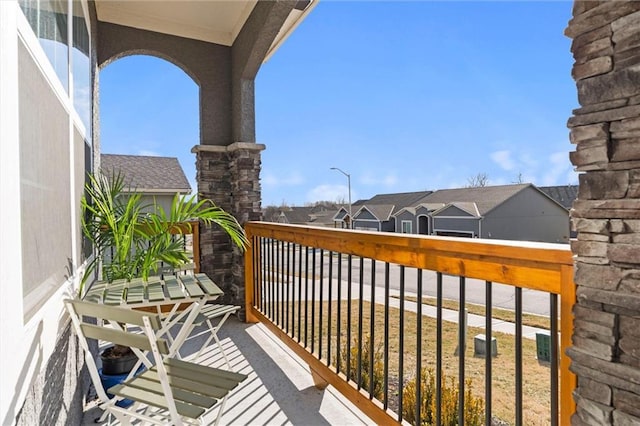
pixel 543 346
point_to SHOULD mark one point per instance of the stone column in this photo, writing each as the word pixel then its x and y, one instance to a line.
pixel 230 176
pixel 606 133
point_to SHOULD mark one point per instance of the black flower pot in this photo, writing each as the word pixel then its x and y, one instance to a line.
pixel 116 365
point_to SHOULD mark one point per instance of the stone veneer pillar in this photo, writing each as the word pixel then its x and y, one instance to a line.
pixel 230 176
pixel 606 131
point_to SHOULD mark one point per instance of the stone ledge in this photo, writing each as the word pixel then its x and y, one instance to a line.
pixel 236 146
pixel 615 298
pixel 617 375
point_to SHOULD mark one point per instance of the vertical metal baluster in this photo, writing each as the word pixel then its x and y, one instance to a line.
pixel 419 348
pixel 386 336
pixel 554 358
pixel 306 296
pixel 349 296
pixel 339 321
pixel 438 349
pixel 320 296
pixel 287 301
pixel 461 349
pixel 518 359
pixel 401 345
pixel 300 295
pixel 283 278
pixel 360 307
pixel 329 307
pixel 372 315
pixel 313 301
pixel 278 281
pixel 488 355
pixel 271 277
pixel 265 276
pixel 274 278
pixel 261 276
pixel 292 306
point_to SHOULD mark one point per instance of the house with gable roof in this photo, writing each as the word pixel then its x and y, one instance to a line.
pixel 376 214
pixel 509 212
pixel 159 179
pixel 317 215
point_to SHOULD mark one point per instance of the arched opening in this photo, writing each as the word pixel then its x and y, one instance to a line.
pixel 149 107
pixel 423 225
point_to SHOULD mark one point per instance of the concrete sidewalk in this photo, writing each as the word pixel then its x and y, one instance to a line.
pixel 473 320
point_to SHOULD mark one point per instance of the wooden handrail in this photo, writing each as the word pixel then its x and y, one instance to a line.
pixel 545 267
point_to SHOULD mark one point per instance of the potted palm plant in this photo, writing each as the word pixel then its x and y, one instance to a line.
pixel 131 239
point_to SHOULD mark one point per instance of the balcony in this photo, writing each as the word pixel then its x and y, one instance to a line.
pixel 333 308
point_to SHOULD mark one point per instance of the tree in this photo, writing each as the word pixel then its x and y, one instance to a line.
pixel 481 179
pixel 519 179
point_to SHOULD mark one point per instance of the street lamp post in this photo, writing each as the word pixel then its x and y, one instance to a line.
pixel 349 185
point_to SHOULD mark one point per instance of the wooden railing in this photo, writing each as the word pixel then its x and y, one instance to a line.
pixel 282 262
pixel 192 228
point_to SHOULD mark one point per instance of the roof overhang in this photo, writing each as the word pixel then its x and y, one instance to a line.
pixel 218 21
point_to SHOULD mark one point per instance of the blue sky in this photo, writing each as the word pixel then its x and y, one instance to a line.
pixel 403 96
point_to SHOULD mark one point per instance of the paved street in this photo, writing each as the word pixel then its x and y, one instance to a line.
pixel 535 302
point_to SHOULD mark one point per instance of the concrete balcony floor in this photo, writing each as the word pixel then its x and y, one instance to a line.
pixel 279 389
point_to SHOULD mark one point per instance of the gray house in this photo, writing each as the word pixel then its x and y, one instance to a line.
pixel 159 179
pixel 377 213
pixel 510 212
pixel 317 215
pixel 375 217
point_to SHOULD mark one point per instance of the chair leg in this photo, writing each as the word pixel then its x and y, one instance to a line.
pixel 224 355
pixel 221 410
pixel 214 336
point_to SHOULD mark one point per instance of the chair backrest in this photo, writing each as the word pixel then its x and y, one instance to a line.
pixel 81 310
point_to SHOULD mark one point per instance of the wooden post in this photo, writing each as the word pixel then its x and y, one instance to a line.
pixel 251 259
pixel 567 378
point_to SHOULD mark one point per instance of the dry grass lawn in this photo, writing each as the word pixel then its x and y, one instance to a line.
pixel 536 377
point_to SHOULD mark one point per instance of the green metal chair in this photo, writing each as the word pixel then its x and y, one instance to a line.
pixel 168 391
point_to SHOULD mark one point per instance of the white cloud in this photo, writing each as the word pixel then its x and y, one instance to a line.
pixel 337 193
pixel 557 169
pixel 503 159
pixel 149 153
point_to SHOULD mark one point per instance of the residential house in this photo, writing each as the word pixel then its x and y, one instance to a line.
pixel 319 214
pixel 376 213
pixel 508 212
pixel 159 179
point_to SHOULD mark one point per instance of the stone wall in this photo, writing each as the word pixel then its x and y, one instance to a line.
pixel 230 176
pixel 606 133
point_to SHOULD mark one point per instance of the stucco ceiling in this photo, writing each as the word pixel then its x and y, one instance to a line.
pixel 217 21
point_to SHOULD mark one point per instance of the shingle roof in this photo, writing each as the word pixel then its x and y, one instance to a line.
pixel 399 200
pixel 381 211
pixel 467 207
pixel 298 215
pixel 565 195
pixel 145 173
pixel 485 197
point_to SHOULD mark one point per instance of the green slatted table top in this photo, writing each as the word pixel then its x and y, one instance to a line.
pixel 155 291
